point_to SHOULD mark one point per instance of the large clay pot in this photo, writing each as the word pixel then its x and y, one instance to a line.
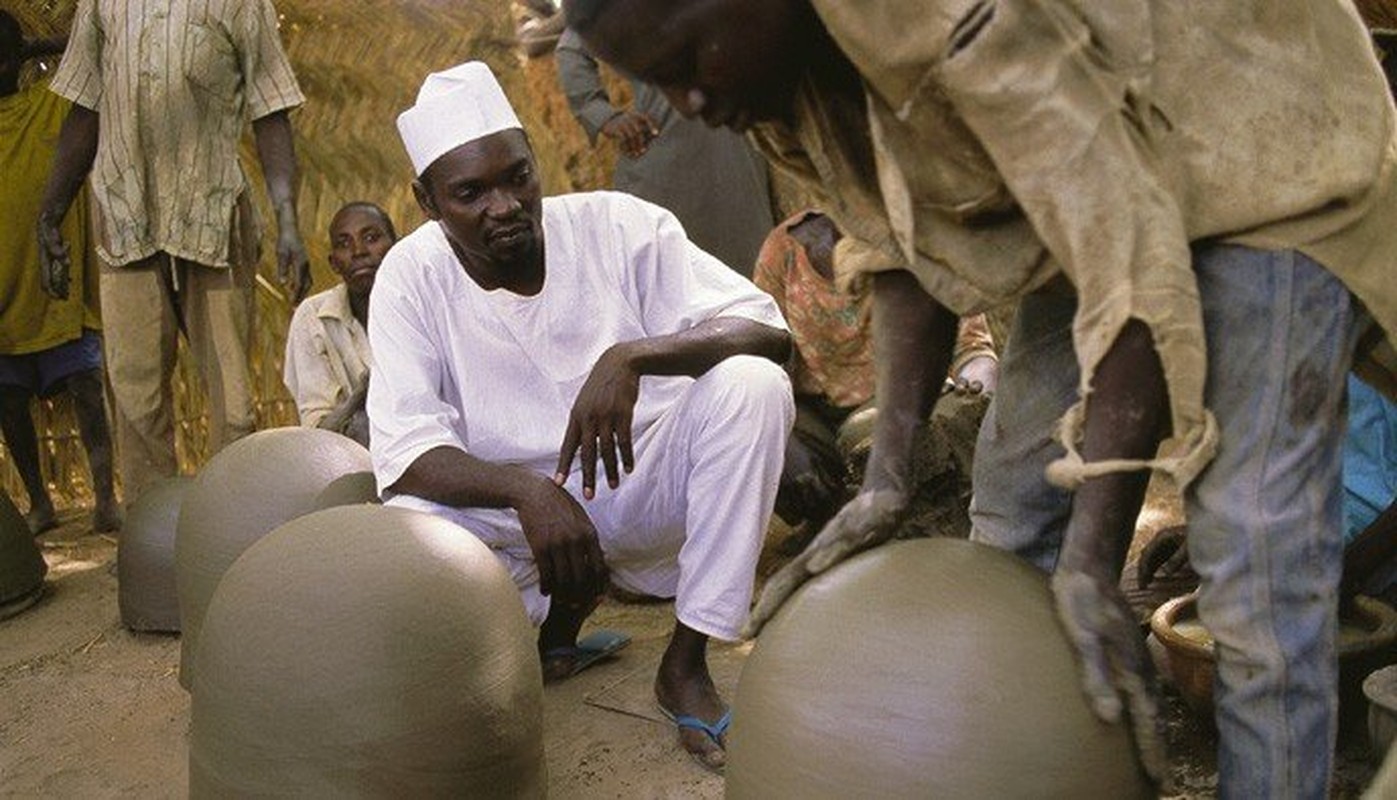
pixel 247 489
pixel 348 490
pixel 145 558
pixel 925 668
pixel 22 566
pixel 365 651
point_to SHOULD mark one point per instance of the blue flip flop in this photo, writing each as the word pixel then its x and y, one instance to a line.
pixel 714 730
pixel 590 649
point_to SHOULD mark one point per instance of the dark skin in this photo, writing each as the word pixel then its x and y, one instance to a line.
pixel 487 198
pixel 77 148
pixel 85 387
pixel 632 132
pixel 736 62
pixel 360 236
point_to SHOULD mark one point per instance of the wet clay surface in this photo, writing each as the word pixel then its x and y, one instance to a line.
pixel 91 710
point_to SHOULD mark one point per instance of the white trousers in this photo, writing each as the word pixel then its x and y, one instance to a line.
pixel 689 521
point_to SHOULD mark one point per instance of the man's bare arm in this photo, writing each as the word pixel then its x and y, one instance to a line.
pixel 277 152
pixel 559 532
pixel 72 161
pixel 600 422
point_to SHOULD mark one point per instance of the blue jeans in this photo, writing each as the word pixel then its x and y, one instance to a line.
pixel 1265 518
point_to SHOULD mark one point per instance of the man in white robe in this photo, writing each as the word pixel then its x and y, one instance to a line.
pixel 622 342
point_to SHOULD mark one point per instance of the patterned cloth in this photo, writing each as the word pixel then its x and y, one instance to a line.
pixel 833 355
pixel 175 84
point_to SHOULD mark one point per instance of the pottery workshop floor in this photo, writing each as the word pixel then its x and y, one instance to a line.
pixel 90 710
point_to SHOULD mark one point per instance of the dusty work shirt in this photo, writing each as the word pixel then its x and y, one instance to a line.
pixel 1004 143
pixel 494 373
pixel 175 84
pixel 31 320
pixel 327 354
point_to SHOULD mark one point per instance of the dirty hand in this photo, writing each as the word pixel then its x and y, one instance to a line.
pixel 54 262
pixel 564 543
pixel 600 422
pixel 632 132
pixel 868 520
pixel 1116 672
pixel 293 265
pixel 980 375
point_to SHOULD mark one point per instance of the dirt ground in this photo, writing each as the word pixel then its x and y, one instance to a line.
pixel 91 710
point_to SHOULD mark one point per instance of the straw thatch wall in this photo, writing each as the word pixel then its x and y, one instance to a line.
pixel 359 64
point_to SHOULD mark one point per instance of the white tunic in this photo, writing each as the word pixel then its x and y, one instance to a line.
pixel 495 374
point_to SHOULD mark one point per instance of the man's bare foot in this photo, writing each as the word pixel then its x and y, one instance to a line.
pixel 41 518
pixel 683 689
pixel 106 517
pixel 557 637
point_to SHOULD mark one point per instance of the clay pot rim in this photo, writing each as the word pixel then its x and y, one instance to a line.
pixel 1378 619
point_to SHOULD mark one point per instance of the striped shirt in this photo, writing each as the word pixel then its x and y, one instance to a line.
pixel 175 83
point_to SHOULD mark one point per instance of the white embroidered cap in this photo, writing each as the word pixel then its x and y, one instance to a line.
pixel 453 107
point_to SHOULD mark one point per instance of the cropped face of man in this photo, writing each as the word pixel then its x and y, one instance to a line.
pixel 360 236
pixel 731 62
pixel 487 196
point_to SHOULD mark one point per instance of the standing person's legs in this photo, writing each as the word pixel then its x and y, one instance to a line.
pixel 23 443
pixel 140 337
pixel 1265 517
pixel 218 316
pixel 90 407
pixel 1013 506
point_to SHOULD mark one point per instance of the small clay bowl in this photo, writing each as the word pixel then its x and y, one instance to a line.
pixel 1381 690
pixel 1191 656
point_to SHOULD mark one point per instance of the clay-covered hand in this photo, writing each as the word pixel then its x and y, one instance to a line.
pixel 869 519
pixel 293 265
pixel 599 425
pixel 1116 672
pixel 980 375
pixel 564 543
pixel 54 261
pixel 632 132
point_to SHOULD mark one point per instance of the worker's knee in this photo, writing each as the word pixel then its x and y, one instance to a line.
pixel 752 382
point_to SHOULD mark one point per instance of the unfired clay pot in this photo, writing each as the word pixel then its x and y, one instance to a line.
pixel 247 489
pixel 365 651
pixel 22 566
pixel 145 558
pixel 349 490
pixel 924 668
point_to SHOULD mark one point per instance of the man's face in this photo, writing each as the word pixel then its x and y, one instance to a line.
pixel 359 238
pixel 731 62
pixel 487 197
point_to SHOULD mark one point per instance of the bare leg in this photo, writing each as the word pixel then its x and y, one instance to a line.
pixel 89 403
pixel 683 687
pixel 18 426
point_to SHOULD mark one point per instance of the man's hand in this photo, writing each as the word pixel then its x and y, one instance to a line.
pixel 869 519
pixel 632 132
pixel 980 375
pixel 293 265
pixel 54 261
pixel 1116 671
pixel 564 543
pixel 600 422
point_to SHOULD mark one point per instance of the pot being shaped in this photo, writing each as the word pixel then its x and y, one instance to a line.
pixel 145 558
pixel 365 651
pixel 348 490
pixel 250 487
pixel 924 668
pixel 22 566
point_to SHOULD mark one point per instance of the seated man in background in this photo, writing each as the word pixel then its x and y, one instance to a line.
pixel 832 367
pixel 47 345
pixel 620 340
pixel 327 347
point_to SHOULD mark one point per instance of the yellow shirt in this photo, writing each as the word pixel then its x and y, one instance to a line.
pixel 175 84
pixel 31 320
pixel 1004 144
